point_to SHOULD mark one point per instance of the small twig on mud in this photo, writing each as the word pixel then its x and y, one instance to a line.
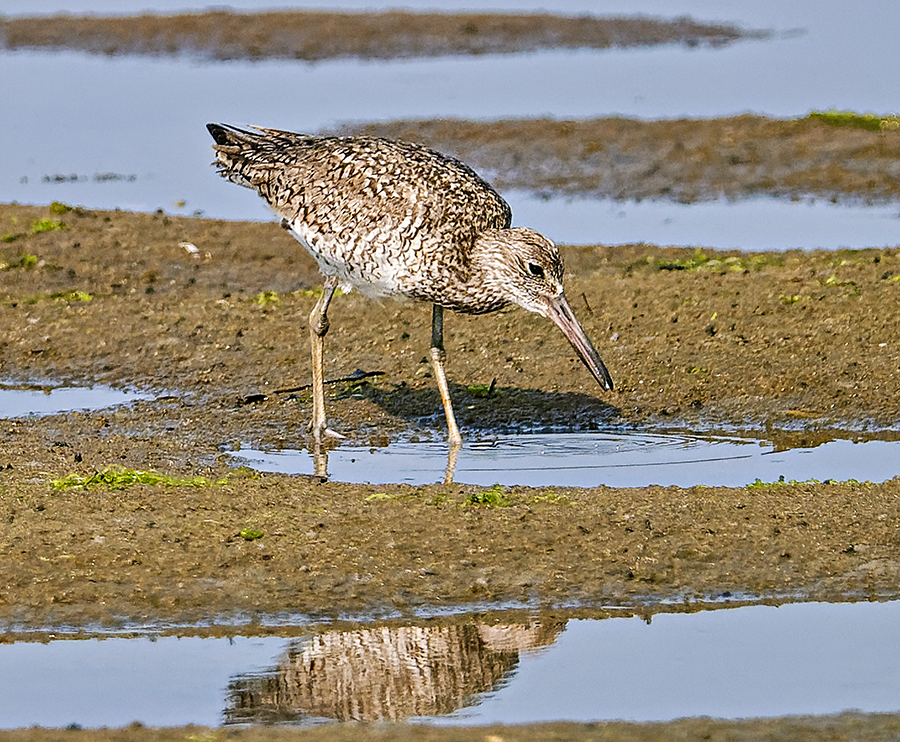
pixel 357 375
pixel 587 305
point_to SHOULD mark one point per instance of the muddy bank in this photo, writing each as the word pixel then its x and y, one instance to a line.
pixel 837 157
pixel 248 546
pixel 849 726
pixel 310 36
pixel 801 342
pixel 761 340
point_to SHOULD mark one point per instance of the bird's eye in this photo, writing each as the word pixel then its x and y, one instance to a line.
pixel 535 270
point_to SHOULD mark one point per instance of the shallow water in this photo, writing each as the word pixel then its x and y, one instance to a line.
pixel 631 459
pixel 751 224
pixel 139 122
pixel 21 402
pixel 806 658
pixel 746 662
pixel 113 682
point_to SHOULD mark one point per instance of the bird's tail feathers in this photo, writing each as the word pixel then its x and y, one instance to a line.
pixel 249 156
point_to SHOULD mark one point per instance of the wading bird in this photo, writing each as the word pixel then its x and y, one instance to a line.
pixel 392 218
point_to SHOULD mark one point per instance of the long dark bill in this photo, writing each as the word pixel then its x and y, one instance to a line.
pixel 560 312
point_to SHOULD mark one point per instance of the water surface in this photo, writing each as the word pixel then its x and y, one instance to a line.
pixel 139 122
pixel 759 223
pixel 626 459
pixel 758 661
pixel 50 400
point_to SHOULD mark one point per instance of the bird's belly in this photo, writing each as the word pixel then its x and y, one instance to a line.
pixel 373 263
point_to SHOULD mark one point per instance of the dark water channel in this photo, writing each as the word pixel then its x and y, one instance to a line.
pixel 804 658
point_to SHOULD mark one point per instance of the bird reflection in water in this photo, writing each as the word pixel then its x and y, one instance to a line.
pixel 385 673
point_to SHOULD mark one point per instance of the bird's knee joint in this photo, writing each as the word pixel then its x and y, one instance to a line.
pixel 438 354
pixel 320 326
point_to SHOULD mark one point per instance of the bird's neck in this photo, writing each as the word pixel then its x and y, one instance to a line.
pixel 484 286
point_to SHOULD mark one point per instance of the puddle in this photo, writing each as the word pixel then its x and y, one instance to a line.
pixel 757 661
pixel 17 401
pixel 113 682
pixel 592 459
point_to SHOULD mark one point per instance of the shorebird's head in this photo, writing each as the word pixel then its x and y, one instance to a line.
pixel 526 269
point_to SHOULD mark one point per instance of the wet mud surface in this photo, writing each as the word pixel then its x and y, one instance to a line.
pixel 800 342
pixel 210 317
pixel 308 35
pixel 858 727
pixel 824 156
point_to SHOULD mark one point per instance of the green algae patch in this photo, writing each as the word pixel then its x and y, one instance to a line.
pixel 68 297
pixel 46 225
pixel 72 296
pixel 118 478
pixel 266 299
pixel 23 262
pixel 782 482
pixel 852 120
pixel 492 498
pixel 57 207
pixel 701 261
pixel 791 298
pixel 483 391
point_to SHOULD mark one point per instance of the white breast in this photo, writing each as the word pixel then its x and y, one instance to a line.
pixel 370 262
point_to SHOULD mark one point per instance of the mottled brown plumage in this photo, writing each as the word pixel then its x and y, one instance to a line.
pixel 392 218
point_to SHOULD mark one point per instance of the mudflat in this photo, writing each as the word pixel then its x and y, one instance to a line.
pixel 850 726
pixel 831 155
pixel 799 345
pixel 317 35
pixel 137 514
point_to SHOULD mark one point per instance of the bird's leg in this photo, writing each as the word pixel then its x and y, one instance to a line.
pixel 438 357
pixel 451 462
pixel 320 459
pixel 318 328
